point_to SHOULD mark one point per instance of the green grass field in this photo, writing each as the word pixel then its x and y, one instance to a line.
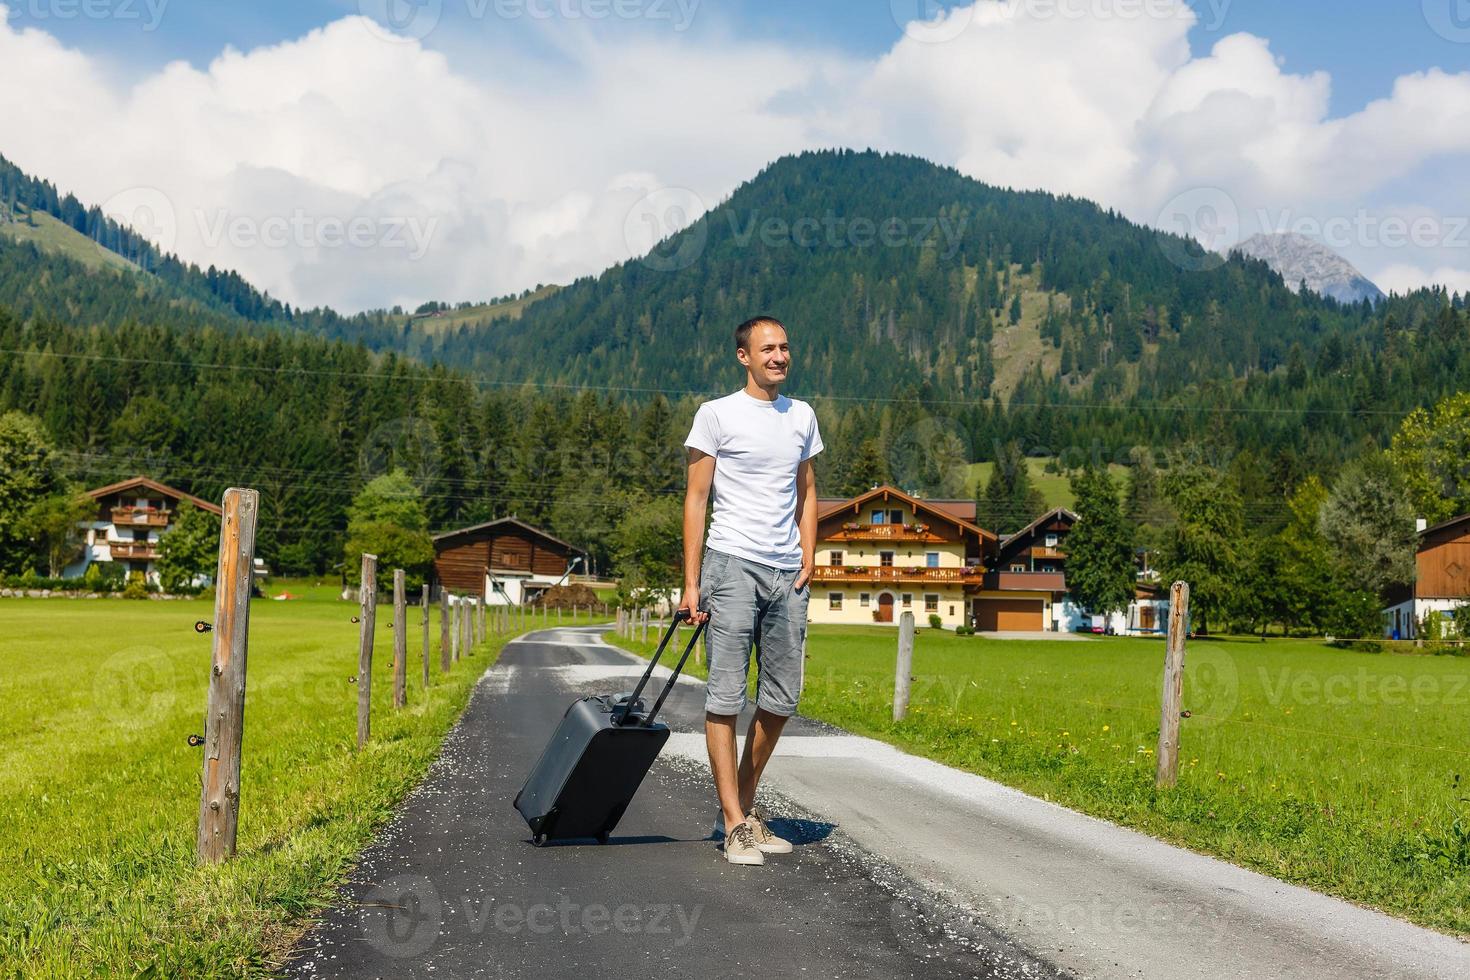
pixel 1055 488
pixel 99 795
pixel 481 314
pixel 1341 771
pixel 53 236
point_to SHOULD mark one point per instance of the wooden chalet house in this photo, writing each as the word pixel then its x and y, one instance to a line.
pixel 1441 581
pixel 132 516
pixel 1026 588
pixel 505 562
pixel 885 552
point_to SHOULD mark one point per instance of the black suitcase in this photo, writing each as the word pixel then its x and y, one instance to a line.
pixel 604 746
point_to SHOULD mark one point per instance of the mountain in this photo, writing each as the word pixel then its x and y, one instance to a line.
pixel 895 273
pixel 1300 259
pixel 936 321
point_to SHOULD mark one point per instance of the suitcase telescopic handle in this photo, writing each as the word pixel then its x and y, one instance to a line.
pixel 674 677
pixel 679 617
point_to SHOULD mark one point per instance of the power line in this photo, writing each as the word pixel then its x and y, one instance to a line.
pixel 453 377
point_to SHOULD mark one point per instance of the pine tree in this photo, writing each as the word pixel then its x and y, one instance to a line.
pixel 1203 546
pixel 1100 568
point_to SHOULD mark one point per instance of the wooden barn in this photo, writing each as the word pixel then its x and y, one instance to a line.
pixel 505 562
pixel 1441 582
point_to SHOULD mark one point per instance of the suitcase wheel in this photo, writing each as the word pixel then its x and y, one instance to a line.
pixel 603 836
pixel 539 840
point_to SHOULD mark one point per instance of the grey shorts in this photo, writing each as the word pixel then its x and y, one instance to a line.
pixel 756 605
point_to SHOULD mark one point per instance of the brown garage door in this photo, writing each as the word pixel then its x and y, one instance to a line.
pixel 1002 615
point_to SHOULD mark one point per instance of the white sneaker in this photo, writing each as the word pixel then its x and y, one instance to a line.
pixel 740 845
pixel 768 842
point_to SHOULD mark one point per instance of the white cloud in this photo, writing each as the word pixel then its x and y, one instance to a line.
pixel 1405 278
pixel 339 168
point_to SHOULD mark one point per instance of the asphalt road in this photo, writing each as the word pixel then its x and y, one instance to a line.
pixel 454 889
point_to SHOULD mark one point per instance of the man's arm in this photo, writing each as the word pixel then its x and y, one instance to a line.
pixel 701 475
pixel 806 519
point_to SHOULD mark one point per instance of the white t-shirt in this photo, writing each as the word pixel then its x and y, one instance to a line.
pixel 757 446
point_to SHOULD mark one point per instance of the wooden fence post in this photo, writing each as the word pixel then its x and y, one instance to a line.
pixel 224 719
pixel 904 670
pixel 444 649
pixel 1169 713
pixel 480 616
pixel 455 614
pixel 400 640
pixel 367 618
pixel 424 601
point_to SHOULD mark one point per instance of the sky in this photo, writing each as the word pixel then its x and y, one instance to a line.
pixel 367 153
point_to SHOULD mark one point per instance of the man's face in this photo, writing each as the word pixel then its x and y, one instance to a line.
pixel 768 356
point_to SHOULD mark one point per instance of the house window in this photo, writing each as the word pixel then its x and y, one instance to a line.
pixel 1051 540
pixel 895 517
pixel 837 558
pixel 865 599
pixel 885 558
pixel 1018 568
pixel 931 559
pixel 951 609
pixel 879 516
pixel 931 602
pixel 908 600
pixel 834 601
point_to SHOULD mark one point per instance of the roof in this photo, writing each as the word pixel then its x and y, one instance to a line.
pixel 1054 512
pixel 156 487
pixel 517 522
pixel 1445 525
pixel 828 506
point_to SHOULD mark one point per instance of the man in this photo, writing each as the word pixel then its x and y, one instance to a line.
pixel 755 448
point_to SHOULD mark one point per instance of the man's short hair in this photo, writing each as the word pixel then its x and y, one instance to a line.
pixel 742 332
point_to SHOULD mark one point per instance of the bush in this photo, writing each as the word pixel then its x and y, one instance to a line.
pixel 566 596
pixel 963 630
pixel 935 622
pixel 137 587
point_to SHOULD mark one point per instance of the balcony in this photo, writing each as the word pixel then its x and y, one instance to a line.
pixel 1024 582
pixel 128 517
pixel 133 550
pixel 879 574
pixel 1041 551
pixel 886 532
